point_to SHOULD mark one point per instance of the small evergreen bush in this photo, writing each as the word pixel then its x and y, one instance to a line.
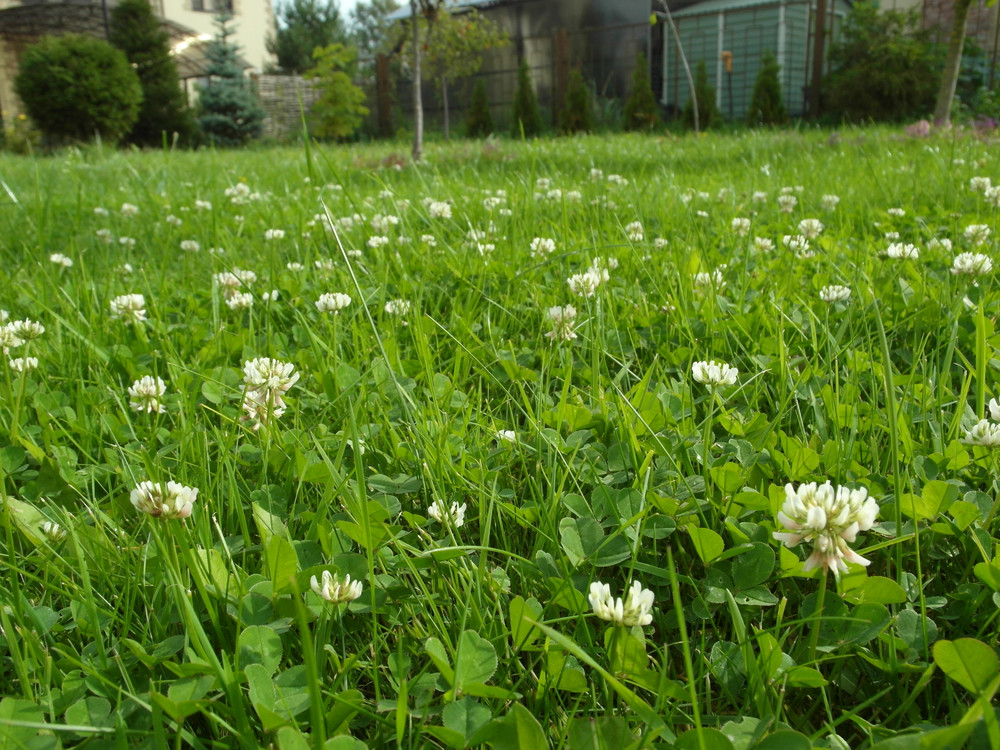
pixel 340 109
pixel 640 109
pixel 708 110
pixel 137 32
pixel 230 114
pixel 766 104
pixel 480 122
pixel 575 116
pixel 75 87
pixel 527 119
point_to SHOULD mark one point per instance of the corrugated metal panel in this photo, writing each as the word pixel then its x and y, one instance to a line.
pixel 715 6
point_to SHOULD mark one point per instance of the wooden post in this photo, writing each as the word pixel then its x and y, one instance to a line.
pixel 383 96
pixel 562 71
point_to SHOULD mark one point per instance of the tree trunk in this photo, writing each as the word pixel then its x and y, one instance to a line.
pixel 444 100
pixel 418 104
pixel 946 94
pixel 819 52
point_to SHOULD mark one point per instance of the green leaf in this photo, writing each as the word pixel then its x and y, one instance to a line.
pixel 707 543
pixel 872 590
pixel 600 733
pixel 523 614
pixel 728 477
pixel 476 660
pixel 519 730
pixel 964 513
pixel 805 677
pixel 910 627
pixel 465 716
pixel 258 644
pixel 282 563
pixel 988 574
pixel 785 739
pixel 969 662
pixel 435 650
pixel 753 567
pixel 290 738
pixel 709 739
pixel 89 712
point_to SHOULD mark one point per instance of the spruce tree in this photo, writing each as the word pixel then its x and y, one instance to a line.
pixel 766 105
pixel 527 118
pixel 640 109
pixel 480 122
pixel 575 114
pixel 230 114
pixel 137 32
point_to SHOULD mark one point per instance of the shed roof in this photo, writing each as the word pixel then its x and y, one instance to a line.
pixel 709 7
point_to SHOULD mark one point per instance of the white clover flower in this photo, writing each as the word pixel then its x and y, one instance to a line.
pixel 27 329
pixel 562 323
pixel 740 226
pixel 324 264
pixel 891 236
pixel 24 364
pixel 53 531
pixel 128 242
pixel 174 220
pixel 295 267
pixel 759 196
pixel 542 246
pixel 901 250
pixel 203 205
pixel 797 244
pixel 787 203
pixel 971 264
pixel 995 410
pixel 271 296
pixel 660 242
pixel 104 236
pixel 574 196
pixel 145 395
pixel 829 202
pixel 992 195
pixel 492 202
pixel 439 210
pixel 190 246
pixel 171 501
pixel 9 339
pixel 596 174
pixel 835 293
pixel 376 241
pixel 897 212
pixel 453 516
pixel 335 591
pixel 266 380
pixel 129 210
pixel 61 260
pixel 130 307
pixel 239 301
pixel 810 228
pixel 617 179
pixel 333 302
pixel 763 244
pixel 828 517
pixel 636 610
pixel 585 284
pixel 977 234
pixel 939 244
pixel 507 436
pixel 429 239
pixel 984 433
pixel 634 231
pixel 397 307
pixel 701 214
pixel 101 211
pixel 980 184
pixel 125 269
pixel 709 279
pixel 714 374
pixel 274 234
pixel 543 183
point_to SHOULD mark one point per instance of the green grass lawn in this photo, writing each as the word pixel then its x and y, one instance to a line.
pixel 313 448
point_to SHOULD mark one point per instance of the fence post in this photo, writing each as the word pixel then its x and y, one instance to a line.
pixel 562 71
pixel 383 96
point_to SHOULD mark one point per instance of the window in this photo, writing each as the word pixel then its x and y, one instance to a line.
pixel 212 6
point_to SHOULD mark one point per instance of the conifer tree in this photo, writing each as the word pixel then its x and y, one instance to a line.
pixel 766 105
pixel 136 31
pixel 527 118
pixel 708 110
pixel 480 121
pixel 575 114
pixel 230 114
pixel 640 109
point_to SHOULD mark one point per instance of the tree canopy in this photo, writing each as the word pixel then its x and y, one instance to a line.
pixel 304 25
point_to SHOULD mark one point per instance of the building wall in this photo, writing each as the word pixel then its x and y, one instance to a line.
pixel 253 23
pixel 981 26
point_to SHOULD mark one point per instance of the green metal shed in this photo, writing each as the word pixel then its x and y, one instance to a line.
pixel 746 28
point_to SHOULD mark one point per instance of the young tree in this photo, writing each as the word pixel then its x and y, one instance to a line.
pixel 640 109
pixel 527 119
pixel 340 109
pixel 949 79
pixel 136 31
pixel 453 49
pixel 75 87
pixel 230 114
pixel 574 117
pixel 766 104
pixel 304 25
pixel 480 121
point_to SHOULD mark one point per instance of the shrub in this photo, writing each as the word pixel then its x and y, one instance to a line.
pixel 230 114
pixel 340 109
pixel 885 67
pixel 575 117
pixel 708 110
pixel 640 110
pixel 480 122
pixel 75 87
pixel 137 32
pixel 766 104
pixel 527 119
